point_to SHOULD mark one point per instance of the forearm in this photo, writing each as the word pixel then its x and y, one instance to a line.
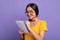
pixel 37 37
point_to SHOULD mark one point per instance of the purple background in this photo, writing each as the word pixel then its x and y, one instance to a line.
pixel 12 10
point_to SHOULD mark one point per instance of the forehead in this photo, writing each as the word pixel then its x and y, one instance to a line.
pixel 29 8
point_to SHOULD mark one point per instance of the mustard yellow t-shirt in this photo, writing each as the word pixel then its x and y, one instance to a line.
pixel 41 25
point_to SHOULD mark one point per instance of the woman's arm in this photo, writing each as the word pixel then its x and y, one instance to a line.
pixel 21 32
pixel 37 37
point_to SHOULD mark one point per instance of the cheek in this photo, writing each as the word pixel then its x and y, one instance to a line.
pixel 33 14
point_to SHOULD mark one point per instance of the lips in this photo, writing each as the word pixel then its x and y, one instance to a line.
pixel 30 17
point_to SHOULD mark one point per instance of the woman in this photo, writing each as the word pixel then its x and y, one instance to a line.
pixel 36 26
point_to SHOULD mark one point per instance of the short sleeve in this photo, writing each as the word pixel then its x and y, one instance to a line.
pixel 44 26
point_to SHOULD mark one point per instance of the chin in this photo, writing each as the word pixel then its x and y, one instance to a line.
pixel 30 17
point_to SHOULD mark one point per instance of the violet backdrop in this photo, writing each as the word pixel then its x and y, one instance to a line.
pixel 12 10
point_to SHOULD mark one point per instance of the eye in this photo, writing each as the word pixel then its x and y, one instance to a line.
pixel 31 11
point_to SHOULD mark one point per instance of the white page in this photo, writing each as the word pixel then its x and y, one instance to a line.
pixel 22 26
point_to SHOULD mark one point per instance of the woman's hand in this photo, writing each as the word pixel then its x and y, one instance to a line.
pixel 21 32
pixel 28 24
